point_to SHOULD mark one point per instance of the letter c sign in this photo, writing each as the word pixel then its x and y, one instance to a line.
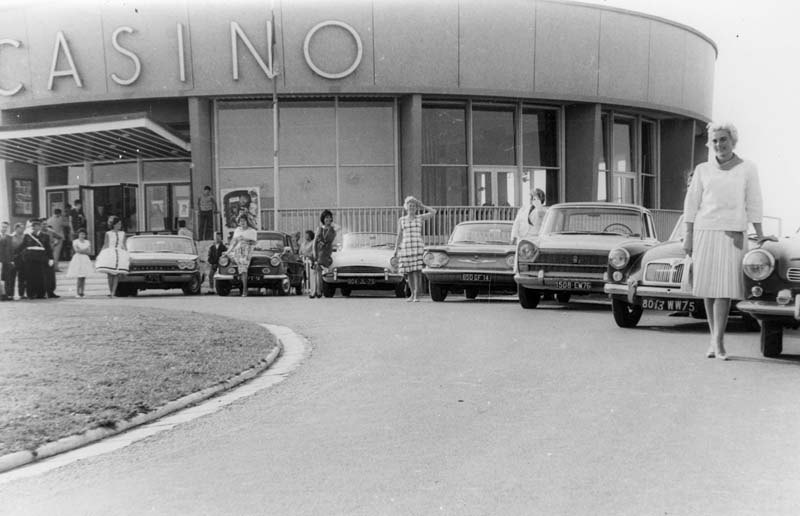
pixel 318 70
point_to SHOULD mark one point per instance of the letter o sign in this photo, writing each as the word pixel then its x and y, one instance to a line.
pixel 318 70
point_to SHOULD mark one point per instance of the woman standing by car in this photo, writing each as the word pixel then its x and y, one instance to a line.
pixel 113 259
pixel 241 248
pixel 724 196
pixel 409 245
pixel 323 249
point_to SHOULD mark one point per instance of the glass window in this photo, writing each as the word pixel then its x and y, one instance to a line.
pixel 539 137
pixel 648 198
pixel 308 187
pixel 156 198
pixel 546 179
pixel 307 133
pixel 166 171
pixel 493 135
pixel 57 176
pixel 623 146
pixel 444 135
pixel 116 173
pixel 367 186
pixel 445 186
pixel 366 133
pixel 245 134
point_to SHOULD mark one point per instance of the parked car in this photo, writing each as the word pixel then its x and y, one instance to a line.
pixel 772 285
pixel 570 255
pixel 161 262
pixel 643 277
pixel 364 262
pixel 477 259
pixel 275 265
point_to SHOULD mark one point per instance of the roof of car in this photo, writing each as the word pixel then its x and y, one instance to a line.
pixel 493 221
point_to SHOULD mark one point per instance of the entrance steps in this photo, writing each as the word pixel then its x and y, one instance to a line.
pixel 96 283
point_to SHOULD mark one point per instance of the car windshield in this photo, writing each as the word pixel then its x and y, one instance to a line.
pixel 483 233
pixel 679 231
pixel 270 242
pixel 369 240
pixel 160 244
pixel 589 220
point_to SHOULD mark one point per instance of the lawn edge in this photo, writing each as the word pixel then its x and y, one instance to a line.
pixel 22 458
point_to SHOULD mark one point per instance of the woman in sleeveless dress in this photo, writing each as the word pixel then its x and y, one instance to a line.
pixel 113 259
pixel 80 266
pixel 409 245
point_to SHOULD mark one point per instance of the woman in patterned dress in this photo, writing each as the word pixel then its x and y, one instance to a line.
pixel 241 248
pixel 323 249
pixel 409 245
pixel 113 259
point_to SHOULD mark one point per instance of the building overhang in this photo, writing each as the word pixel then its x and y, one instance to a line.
pixel 98 139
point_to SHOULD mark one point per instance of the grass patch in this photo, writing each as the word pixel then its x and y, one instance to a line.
pixel 70 367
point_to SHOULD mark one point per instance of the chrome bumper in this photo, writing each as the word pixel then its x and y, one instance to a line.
pixel 760 309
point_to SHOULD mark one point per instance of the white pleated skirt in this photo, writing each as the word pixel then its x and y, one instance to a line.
pixel 717 265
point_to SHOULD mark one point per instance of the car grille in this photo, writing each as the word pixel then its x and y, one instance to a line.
pixel 657 272
pixel 149 268
pixel 360 269
pixel 583 264
pixel 793 274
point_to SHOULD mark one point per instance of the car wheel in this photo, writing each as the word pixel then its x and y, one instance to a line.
pixel 346 291
pixel 750 322
pixel 223 288
pixel 194 287
pixel 563 297
pixel 401 290
pixel 771 338
pixel 438 292
pixel 126 291
pixel 626 315
pixel 328 290
pixel 285 288
pixel 471 293
pixel 528 298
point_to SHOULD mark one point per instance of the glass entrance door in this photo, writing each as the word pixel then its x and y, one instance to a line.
pixel 100 202
pixel 494 186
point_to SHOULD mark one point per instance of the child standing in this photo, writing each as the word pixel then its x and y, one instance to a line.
pixel 80 265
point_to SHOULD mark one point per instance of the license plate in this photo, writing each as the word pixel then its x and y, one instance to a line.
pixel 672 305
pixel 570 284
pixel 152 278
pixel 361 281
pixel 472 276
pixel 254 278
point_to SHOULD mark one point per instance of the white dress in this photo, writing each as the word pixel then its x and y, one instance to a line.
pixel 114 259
pixel 80 266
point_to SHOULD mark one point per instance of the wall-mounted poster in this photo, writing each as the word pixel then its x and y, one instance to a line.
pixel 236 201
pixel 22 191
pixel 183 208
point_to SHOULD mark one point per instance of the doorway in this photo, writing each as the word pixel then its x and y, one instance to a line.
pixel 101 202
pixel 167 205
pixel 494 186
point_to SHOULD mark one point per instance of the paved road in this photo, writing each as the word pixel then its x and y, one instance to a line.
pixel 465 408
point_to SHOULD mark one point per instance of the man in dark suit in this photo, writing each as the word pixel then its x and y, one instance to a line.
pixel 37 258
pixel 6 263
pixel 214 252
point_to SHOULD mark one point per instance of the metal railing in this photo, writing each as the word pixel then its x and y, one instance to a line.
pixel 435 231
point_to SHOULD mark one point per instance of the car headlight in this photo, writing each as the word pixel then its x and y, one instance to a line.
pixel 510 260
pixel 758 264
pixel 526 251
pixel 275 261
pixel 435 259
pixel 186 264
pixel 618 258
pixel 224 261
pixel 394 262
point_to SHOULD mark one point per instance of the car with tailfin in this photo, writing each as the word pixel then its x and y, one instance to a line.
pixel 161 262
pixel 364 261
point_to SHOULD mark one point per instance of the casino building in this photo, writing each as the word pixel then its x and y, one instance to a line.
pixel 352 105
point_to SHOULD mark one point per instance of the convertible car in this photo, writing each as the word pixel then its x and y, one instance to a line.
pixel 478 258
pixel 161 262
pixel 274 265
pixel 365 262
pixel 772 285
pixel 570 255
pixel 645 277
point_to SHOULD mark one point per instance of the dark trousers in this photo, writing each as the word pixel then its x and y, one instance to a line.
pixel 7 275
pixel 18 274
pixel 206 225
pixel 35 277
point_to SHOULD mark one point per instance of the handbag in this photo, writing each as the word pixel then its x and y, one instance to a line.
pixel 687 280
pixel 325 260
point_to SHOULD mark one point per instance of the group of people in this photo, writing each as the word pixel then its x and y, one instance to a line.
pixel 28 259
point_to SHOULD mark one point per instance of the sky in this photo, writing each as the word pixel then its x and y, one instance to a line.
pixel 756 83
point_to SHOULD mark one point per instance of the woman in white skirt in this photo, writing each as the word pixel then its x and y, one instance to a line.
pixel 724 196
pixel 113 259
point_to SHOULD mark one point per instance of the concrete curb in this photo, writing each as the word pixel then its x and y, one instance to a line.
pixel 16 459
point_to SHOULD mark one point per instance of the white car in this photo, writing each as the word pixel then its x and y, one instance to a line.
pixel 364 262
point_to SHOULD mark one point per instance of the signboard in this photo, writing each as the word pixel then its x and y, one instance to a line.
pixel 22 192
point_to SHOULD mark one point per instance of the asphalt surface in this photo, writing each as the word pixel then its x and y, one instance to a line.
pixel 464 408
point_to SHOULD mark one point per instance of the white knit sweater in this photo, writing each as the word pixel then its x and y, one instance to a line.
pixel 725 200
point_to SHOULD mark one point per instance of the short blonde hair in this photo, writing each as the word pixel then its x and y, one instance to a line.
pixel 412 200
pixel 724 126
